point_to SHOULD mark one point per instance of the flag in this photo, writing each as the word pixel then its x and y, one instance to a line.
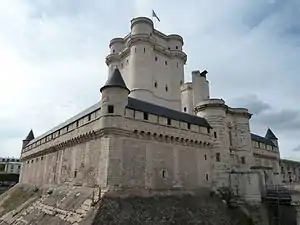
pixel 154 15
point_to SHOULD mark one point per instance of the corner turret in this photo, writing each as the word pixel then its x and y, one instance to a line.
pixel 271 136
pixel 114 95
pixel 29 137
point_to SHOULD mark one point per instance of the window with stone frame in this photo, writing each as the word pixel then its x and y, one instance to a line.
pixel 218 157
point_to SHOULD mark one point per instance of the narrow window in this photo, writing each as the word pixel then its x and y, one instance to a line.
pixel 127 61
pixel 122 65
pixel 146 116
pixel 166 88
pixel 169 48
pixel 177 64
pixel 134 49
pixel 181 82
pixel 208 130
pixel 164 174
pixel 205 157
pixel 176 46
pixel 166 62
pixel 215 134
pixel 155 84
pixel 113 50
pixel 77 123
pixel 42 158
pixel 89 117
pixel 189 126
pixel 75 173
pixel 218 157
pixel 155 58
pixel 184 109
pixel 243 159
pixel 169 121
pixel 206 176
pixel 230 138
pixel 133 113
pixel 110 109
pixel 144 49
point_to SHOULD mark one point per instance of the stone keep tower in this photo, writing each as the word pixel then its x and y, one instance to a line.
pixel 151 63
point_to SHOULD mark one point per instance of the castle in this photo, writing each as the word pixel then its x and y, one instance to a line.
pixel 152 130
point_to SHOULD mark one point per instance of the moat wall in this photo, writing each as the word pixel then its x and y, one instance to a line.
pixel 67 205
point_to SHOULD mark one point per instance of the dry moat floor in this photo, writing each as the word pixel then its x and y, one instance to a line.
pixel 65 205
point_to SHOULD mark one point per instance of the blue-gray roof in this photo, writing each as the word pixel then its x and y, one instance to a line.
pixel 166 112
pixel 115 80
pixel 261 139
pixel 270 135
pixel 138 105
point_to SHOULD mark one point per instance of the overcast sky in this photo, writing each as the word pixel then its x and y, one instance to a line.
pixel 52 58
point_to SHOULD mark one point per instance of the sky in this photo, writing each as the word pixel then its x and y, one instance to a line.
pixel 53 53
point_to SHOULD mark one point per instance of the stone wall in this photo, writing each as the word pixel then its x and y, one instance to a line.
pixel 104 150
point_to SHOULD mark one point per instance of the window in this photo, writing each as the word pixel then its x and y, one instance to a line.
pixel 114 50
pixel 122 65
pixel 144 49
pixel 169 48
pixel 215 134
pixel 166 62
pixel 169 121
pixel 110 109
pixel 19 167
pixel 205 157
pixel 189 126
pixel 146 116
pixel 243 160
pixel 184 109
pixel 176 46
pixel 177 64
pixel 206 176
pixel 134 49
pixel 89 117
pixel 164 174
pixel 127 61
pixel 77 123
pixel 166 87
pixel 42 158
pixel 155 84
pixel 75 173
pixel 155 58
pixel 208 130
pixel 230 138
pixel 218 157
pixel 181 82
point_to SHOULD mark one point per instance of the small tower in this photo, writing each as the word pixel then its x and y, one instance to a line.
pixel 114 95
pixel 29 137
pixel 200 86
pixel 271 136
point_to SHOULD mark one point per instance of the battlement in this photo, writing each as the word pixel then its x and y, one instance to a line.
pixel 86 122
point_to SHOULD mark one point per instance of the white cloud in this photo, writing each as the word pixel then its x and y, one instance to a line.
pixel 52 55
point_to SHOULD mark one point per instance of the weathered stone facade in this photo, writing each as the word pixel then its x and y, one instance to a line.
pixel 137 138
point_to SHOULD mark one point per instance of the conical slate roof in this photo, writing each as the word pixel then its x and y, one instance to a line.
pixel 115 80
pixel 270 135
pixel 30 136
